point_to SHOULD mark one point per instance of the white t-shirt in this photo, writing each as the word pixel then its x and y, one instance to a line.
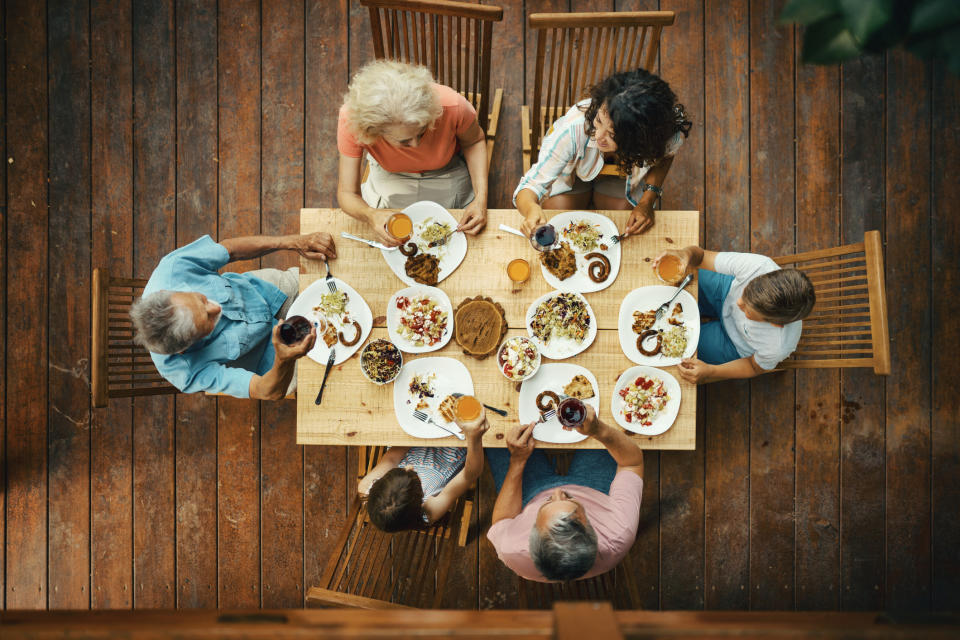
pixel 768 344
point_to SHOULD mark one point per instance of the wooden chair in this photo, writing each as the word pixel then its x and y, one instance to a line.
pixel 120 368
pixel 583 49
pixel 618 586
pixel 452 39
pixel 848 325
pixel 370 569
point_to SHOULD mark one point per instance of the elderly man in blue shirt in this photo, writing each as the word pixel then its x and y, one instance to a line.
pixel 219 333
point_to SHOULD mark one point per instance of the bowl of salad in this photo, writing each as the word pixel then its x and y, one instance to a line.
pixel 518 358
pixel 380 361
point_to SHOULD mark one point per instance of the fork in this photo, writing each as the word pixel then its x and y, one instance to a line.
pixel 330 283
pixel 662 309
pixel 617 237
pixel 546 415
pixel 422 417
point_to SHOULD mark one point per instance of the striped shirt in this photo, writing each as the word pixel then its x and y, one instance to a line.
pixel 436 466
pixel 567 153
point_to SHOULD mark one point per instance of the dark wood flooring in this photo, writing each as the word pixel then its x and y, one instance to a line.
pixel 133 127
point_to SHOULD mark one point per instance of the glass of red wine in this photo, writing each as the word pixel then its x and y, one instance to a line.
pixel 544 237
pixel 571 412
pixel 294 329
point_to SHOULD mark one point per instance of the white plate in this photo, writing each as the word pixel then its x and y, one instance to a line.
pixel 648 299
pixel 450 254
pixel 553 376
pixel 393 318
pixel 451 377
pixel 580 281
pixel 558 349
pixel 666 418
pixel 357 308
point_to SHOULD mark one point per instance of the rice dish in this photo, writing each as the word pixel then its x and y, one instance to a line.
pixel 674 342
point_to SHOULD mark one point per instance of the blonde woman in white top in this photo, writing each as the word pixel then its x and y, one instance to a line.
pixel 631 119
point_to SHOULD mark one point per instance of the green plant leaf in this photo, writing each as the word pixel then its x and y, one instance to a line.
pixel 829 41
pixel 933 15
pixel 808 11
pixel 866 16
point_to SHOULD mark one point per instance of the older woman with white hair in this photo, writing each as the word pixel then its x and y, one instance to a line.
pixel 550 527
pixel 422 141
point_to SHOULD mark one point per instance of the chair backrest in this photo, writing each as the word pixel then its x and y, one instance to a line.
pixel 848 324
pixel 452 39
pixel 577 50
pixel 120 368
pixel 618 586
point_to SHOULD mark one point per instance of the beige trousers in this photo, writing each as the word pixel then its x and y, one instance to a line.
pixel 449 187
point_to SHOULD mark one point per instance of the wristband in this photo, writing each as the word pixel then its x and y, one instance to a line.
pixel 646 186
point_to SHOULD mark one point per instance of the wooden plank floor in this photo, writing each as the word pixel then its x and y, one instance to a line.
pixel 134 127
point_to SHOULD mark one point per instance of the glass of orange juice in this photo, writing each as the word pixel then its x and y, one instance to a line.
pixel 399 225
pixel 668 269
pixel 518 270
pixel 468 412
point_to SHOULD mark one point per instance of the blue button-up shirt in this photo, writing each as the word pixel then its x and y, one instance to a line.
pixel 239 345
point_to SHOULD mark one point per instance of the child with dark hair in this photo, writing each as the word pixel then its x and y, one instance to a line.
pixel 631 119
pixel 758 308
pixel 413 487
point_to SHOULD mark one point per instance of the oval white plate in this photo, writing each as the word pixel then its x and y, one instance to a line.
pixel 450 254
pixel 356 306
pixel 393 318
pixel 648 299
pixel 553 376
pixel 580 281
pixel 451 377
pixel 666 418
pixel 558 349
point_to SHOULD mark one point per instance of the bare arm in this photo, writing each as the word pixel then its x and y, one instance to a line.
pixel 642 217
pixel 390 459
pixel 353 204
pixel 318 246
pixel 626 452
pixel 436 506
pixel 529 207
pixel 274 383
pixel 474 146
pixel 509 501
pixel 697 371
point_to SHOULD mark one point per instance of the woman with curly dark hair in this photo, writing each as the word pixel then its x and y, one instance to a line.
pixel 632 119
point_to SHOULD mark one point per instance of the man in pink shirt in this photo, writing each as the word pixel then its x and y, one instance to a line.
pixel 547 527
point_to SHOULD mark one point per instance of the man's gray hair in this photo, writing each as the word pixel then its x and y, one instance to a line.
pixel 163 326
pixel 566 550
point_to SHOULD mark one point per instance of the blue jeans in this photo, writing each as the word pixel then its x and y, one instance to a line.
pixel 593 468
pixel 715 346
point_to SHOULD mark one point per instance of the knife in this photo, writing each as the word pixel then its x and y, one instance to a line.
pixel 515 232
pixel 375 245
pixel 326 372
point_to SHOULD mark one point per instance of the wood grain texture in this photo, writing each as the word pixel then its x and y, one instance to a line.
pixel 862 562
pixel 3 296
pixel 818 409
pixel 26 299
pixel 945 425
pixel 325 470
pixel 772 232
pixel 238 443
pixel 196 424
pixel 682 474
pixel 908 405
pixel 281 471
pixel 154 224
pixel 726 422
pixel 68 43
pixel 111 459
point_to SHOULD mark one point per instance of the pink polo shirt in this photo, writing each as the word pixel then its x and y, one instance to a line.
pixel 615 518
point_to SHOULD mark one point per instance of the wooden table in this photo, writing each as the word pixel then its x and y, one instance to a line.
pixel 357 412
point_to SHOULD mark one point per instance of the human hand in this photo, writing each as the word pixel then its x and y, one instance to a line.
pixel 378 224
pixel 640 220
pixel 590 426
pixel 694 371
pixel 683 255
pixel 294 351
pixel 317 246
pixel 474 218
pixel 475 430
pixel 520 442
pixel 533 220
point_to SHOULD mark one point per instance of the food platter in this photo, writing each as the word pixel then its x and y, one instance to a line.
pixel 648 299
pixel 558 348
pixel 356 310
pixel 665 418
pixel 449 254
pixel 403 324
pixel 445 376
pixel 581 281
pixel 553 377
